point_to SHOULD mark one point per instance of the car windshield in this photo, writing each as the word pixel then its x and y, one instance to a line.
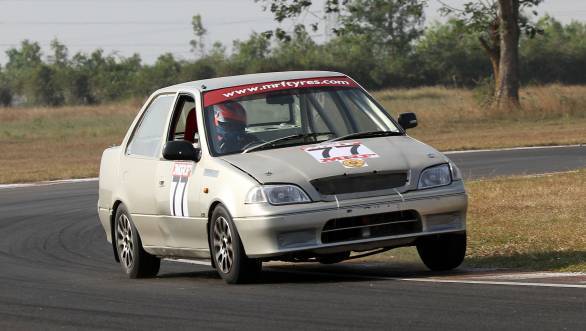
pixel 289 117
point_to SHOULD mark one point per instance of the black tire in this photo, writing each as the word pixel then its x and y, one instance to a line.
pixel 135 261
pixel 333 258
pixel 442 252
pixel 227 251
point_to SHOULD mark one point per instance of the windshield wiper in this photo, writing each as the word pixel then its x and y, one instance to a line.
pixel 272 143
pixel 367 134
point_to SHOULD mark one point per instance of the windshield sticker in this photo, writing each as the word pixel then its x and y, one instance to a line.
pixel 230 93
pixel 349 154
pixel 181 169
pixel 177 193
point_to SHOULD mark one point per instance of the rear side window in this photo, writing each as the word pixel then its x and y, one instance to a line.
pixel 146 140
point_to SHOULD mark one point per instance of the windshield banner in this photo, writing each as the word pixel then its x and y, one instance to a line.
pixel 231 93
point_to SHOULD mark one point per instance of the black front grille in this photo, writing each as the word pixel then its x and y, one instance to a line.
pixel 371 226
pixel 372 181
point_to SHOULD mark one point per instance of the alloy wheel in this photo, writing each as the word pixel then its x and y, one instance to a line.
pixel 124 240
pixel 223 249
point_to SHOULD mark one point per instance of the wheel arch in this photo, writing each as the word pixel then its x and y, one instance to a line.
pixel 115 206
pixel 211 209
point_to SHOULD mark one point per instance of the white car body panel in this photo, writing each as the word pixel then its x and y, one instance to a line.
pixel 146 186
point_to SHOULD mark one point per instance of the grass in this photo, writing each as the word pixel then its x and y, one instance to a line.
pixel 524 223
pixel 67 142
pixel 57 143
pixel 452 119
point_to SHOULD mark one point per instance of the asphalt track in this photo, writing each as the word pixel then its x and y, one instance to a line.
pixel 57 272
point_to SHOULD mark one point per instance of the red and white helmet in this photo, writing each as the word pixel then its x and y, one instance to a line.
pixel 230 115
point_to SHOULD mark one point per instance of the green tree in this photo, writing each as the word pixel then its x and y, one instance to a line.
pixel 375 37
pixel 59 56
pixel 80 88
pixel 500 23
pixel 559 55
pixel 199 32
pixel 42 87
pixel 448 54
pixel 249 56
pixel 5 90
pixel 29 55
pixel 299 53
pixel 391 24
pixel 22 62
pixel 165 71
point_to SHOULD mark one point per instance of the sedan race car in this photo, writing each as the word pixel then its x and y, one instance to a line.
pixel 292 166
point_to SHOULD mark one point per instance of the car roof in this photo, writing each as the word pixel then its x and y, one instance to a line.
pixel 229 81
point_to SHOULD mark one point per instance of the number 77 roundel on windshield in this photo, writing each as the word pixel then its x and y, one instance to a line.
pixel 349 154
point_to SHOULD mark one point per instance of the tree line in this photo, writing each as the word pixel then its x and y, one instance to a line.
pixel 440 54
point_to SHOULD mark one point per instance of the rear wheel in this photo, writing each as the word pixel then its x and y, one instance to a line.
pixel 228 253
pixel 135 262
pixel 442 252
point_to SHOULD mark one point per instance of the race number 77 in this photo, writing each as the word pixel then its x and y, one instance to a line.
pixel 326 149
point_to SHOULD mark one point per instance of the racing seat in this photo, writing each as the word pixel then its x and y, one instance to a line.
pixel 190 126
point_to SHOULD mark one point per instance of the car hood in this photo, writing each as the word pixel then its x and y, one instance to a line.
pixel 299 164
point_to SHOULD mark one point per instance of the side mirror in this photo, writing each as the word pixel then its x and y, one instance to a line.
pixel 408 120
pixel 181 150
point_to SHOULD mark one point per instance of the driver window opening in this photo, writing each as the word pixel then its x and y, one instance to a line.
pixel 184 124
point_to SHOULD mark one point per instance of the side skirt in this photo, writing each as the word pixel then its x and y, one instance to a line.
pixel 174 252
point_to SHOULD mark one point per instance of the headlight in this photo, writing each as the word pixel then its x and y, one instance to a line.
pixel 277 195
pixel 456 173
pixel 435 176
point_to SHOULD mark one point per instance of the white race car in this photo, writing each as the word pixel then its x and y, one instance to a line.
pixel 294 166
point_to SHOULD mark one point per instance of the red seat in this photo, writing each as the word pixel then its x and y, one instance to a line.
pixel 190 126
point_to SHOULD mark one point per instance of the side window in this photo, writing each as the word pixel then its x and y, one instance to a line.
pixel 184 125
pixel 146 140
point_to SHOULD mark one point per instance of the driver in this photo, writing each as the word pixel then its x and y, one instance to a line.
pixel 230 125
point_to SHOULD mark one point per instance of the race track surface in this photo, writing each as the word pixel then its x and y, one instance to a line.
pixel 58 272
pixel 519 161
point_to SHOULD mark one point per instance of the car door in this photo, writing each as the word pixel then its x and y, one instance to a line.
pixel 139 167
pixel 179 187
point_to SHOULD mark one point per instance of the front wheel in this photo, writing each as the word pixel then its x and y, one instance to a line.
pixel 135 261
pixel 227 251
pixel 442 252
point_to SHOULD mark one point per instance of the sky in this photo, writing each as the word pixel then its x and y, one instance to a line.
pixel 153 27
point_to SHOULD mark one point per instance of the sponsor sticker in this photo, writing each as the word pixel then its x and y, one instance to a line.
pixel 354 163
pixel 230 93
pixel 349 154
pixel 181 172
pixel 182 169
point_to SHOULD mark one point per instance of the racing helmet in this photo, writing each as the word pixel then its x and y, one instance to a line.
pixel 229 118
pixel 230 125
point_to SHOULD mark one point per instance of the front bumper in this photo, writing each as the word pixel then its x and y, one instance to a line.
pixel 299 231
